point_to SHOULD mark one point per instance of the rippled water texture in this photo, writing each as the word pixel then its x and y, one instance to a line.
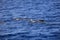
pixel 12 28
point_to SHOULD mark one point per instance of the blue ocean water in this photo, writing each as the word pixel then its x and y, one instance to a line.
pixel 47 10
